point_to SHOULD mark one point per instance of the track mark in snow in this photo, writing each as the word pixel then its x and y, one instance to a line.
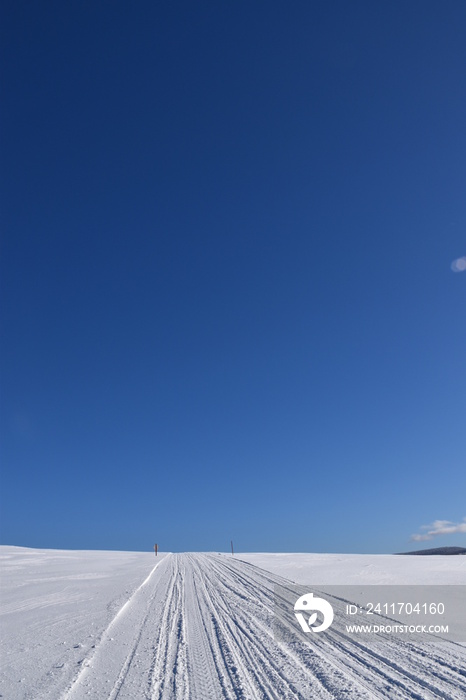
pixel 92 666
pixel 200 627
pixel 168 676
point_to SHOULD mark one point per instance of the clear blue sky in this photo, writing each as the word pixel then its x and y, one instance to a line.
pixel 228 308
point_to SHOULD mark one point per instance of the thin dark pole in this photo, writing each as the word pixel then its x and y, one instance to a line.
pixel 232 552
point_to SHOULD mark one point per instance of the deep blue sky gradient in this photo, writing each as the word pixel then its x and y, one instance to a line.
pixel 227 303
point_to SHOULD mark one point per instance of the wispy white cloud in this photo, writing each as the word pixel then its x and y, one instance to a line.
pixel 439 527
pixel 459 265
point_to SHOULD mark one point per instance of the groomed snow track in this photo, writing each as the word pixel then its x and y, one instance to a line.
pixel 201 628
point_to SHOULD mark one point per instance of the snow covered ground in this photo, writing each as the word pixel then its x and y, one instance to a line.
pixel 366 569
pixel 201 626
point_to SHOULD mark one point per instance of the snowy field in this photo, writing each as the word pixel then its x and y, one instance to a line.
pixel 366 569
pixel 201 626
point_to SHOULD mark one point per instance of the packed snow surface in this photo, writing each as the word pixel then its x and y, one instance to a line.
pixel 201 626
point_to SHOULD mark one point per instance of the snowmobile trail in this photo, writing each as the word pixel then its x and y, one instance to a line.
pixel 202 628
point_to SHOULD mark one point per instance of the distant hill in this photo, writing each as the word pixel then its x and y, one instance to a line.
pixel 439 550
